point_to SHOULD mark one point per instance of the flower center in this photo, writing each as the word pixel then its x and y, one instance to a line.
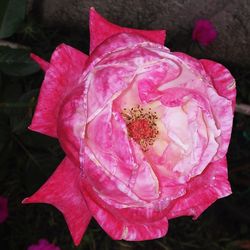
pixel 141 125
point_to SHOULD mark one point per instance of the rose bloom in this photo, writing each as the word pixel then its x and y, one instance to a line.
pixel 43 244
pixel 204 32
pixel 3 209
pixel 145 132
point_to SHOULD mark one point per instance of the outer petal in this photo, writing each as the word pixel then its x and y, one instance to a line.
pixel 224 84
pixel 203 190
pixel 62 191
pixel 142 212
pixel 120 229
pixel 222 79
pixel 101 29
pixel 223 115
pixel 66 66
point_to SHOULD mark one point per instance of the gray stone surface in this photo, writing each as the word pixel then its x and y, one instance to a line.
pixel 230 17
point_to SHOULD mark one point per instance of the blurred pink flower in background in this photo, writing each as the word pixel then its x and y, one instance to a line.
pixel 204 32
pixel 3 209
pixel 43 245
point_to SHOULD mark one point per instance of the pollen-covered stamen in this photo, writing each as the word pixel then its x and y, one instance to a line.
pixel 141 125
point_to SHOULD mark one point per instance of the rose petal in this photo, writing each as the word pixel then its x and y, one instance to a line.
pixel 71 123
pixel 118 199
pixel 193 64
pixel 221 78
pixel 203 190
pixel 215 88
pixel 105 84
pixel 155 182
pixel 223 116
pixel 113 190
pixel 66 66
pixel 110 74
pixel 189 110
pixel 62 191
pixel 154 76
pixel 111 152
pixel 101 29
pixel 146 184
pixel 121 229
pixel 222 108
pixel 116 43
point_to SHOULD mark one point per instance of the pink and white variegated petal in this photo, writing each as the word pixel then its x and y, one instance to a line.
pixel 193 64
pixel 203 190
pixel 118 43
pixel 109 75
pixel 154 76
pixel 66 67
pixel 152 181
pixel 44 65
pixel 221 78
pixel 222 93
pixel 71 123
pixel 222 97
pixel 197 150
pixel 193 74
pixel 217 84
pixel 118 199
pixel 108 139
pixel 120 229
pixel 105 84
pixel 62 191
pixel 223 115
pixel 101 29
pixel 108 187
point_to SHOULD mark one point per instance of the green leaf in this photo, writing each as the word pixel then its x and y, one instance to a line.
pixel 12 14
pixel 16 62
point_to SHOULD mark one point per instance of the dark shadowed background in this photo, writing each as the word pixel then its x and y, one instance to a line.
pixel 231 18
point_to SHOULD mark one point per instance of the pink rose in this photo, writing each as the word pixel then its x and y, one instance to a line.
pixel 43 244
pixel 145 132
pixel 204 32
pixel 3 209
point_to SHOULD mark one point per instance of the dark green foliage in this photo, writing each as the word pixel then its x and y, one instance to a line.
pixel 27 159
pixel 12 14
pixel 16 62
